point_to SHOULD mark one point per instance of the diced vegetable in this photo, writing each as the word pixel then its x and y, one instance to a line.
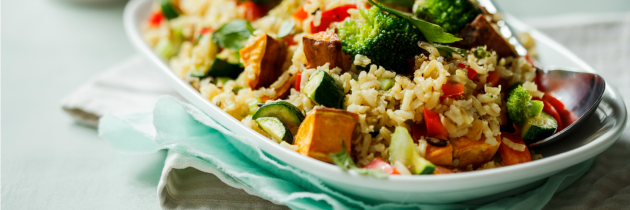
pixel 298 80
pixel 164 48
pixel 169 9
pixel 300 14
pixel 379 164
pixel 403 149
pixel 323 131
pixel 539 127
pixel 493 78
pixel 536 107
pixel 451 90
pixel 386 83
pixel 336 14
pixel 252 104
pixel 481 33
pixel 275 128
pixel 471 72
pixel 263 60
pixel 324 90
pixel 473 152
pixel 551 111
pixel 321 48
pixel 254 11
pixel 481 53
pixel 434 125
pixel 156 18
pixel 285 111
pixel 509 155
pixel 221 68
pixel 567 116
pixel 440 155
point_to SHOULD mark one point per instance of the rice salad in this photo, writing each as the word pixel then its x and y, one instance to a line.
pixel 399 88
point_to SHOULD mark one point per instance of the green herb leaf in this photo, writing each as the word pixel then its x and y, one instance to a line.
pixel 285 28
pixel 404 3
pixel 233 34
pixel 448 50
pixel 345 162
pixel 432 32
pixel 342 158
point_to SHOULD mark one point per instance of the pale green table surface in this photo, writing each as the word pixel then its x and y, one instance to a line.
pixel 51 47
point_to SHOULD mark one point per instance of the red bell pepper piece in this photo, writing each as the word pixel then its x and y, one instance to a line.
pixel 434 125
pixel 300 15
pixel 379 164
pixel 452 90
pixel 337 14
pixel 156 18
pixel 554 102
pixel 471 72
pixel 494 78
pixel 254 11
pixel 511 156
pixel 550 110
pixel 206 30
pixel 298 79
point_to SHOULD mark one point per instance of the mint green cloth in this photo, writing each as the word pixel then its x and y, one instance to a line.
pixel 179 126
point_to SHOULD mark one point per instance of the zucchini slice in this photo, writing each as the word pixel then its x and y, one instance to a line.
pixel 324 90
pixel 284 111
pixel 539 127
pixel 220 68
pixel 386 83
pixel 169 10
pixel 536 108
pixel 275 128
pixel 403 149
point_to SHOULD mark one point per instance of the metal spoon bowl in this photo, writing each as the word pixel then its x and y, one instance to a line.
pixel 580 92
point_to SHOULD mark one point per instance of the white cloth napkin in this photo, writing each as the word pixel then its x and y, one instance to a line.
pixel 601 40
pixel 131 86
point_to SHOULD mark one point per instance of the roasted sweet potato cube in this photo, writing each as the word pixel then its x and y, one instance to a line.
pixel 440 155
pixel 323 131
pixel 480 33
pixel 263 60
pixel 324 47
pixel 475 152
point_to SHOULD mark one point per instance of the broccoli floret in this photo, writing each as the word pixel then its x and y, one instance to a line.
pixel 452 15
pixel 387 40
pixel 518 105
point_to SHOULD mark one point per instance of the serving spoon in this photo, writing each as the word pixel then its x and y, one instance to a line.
pixel 580 92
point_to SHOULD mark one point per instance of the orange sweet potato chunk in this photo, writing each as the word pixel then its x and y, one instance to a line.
pixel 263 60
pixel 475 152
pixel 322 132
pixel 440 155
pixel 324 47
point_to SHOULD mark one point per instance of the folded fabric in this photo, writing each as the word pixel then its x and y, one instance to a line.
pixel 131 86
pixel 199 142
